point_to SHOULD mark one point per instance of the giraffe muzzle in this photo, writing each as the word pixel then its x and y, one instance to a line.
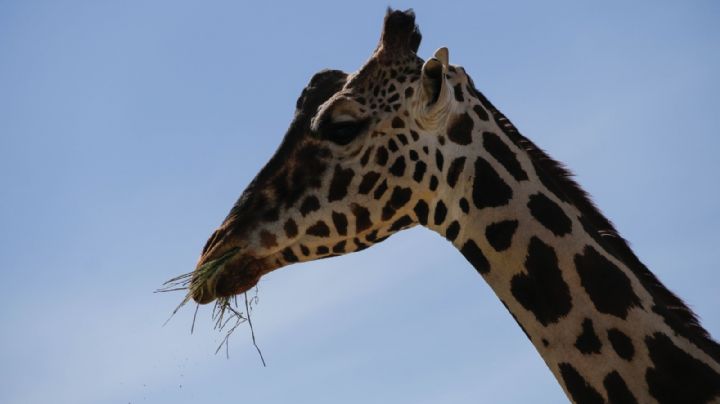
pixel 226 276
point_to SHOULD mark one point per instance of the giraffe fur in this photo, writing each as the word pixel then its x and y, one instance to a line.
pixel 404 142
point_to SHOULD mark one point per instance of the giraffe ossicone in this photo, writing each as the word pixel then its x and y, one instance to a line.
pixel 403 142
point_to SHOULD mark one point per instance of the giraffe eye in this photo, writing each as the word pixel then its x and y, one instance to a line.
pixel 343 132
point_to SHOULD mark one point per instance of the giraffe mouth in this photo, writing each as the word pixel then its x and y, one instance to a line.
pixel 226 276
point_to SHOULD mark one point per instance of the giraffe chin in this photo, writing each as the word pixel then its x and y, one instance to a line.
pixel 234 278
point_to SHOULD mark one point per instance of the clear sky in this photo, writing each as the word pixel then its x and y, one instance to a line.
pixel 128 129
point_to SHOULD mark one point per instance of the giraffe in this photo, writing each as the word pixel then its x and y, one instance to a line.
pixel 405 141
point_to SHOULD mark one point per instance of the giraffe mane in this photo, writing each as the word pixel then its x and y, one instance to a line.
pixel 560 181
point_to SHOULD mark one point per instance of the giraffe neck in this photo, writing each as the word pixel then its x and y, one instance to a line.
pixel 605 326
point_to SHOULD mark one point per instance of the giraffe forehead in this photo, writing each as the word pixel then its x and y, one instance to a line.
pixel 374 77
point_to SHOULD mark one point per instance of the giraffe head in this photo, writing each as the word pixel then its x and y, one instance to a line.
pixel 361 160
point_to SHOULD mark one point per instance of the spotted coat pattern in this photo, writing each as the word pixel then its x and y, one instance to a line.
pixel 405 141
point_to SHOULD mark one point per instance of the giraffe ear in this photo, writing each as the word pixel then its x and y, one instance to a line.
pixel 442 54
pixel 433 75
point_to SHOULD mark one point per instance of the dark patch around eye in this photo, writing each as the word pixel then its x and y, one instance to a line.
pixel 344 132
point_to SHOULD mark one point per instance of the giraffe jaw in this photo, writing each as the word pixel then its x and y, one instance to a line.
pixel 235 276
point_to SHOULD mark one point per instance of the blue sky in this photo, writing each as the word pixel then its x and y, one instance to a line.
pixel 128 129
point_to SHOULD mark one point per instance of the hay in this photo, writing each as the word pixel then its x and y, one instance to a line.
pixel 226 313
